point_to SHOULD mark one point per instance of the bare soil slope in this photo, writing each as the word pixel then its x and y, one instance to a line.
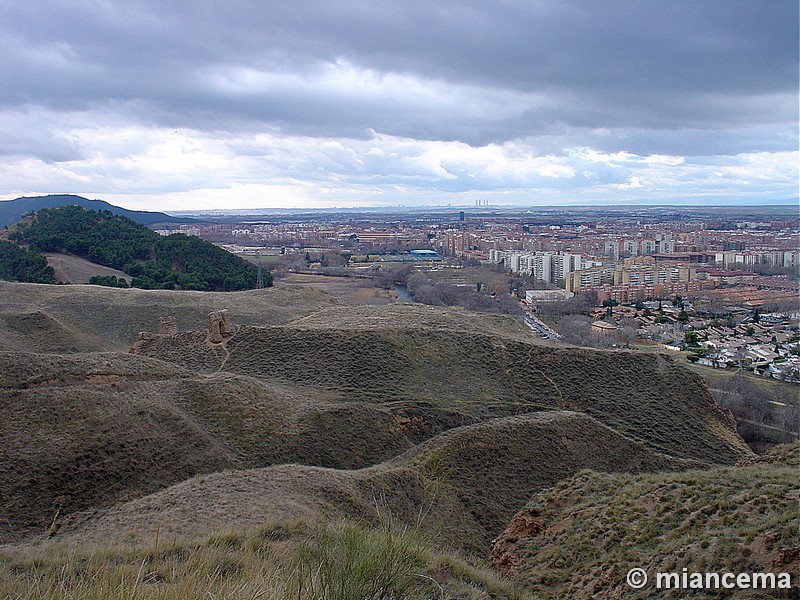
pixel 74 269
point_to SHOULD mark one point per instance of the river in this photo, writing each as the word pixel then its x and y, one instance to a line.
pixel 403 295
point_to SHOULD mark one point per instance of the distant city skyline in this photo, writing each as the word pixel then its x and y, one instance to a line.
pixel 258 105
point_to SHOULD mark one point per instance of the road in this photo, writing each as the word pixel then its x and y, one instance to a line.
pixel 539 327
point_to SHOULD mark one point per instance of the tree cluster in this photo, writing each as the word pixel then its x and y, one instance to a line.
pixel 388 277
pixel 579 304
pixel 108 281
pixel 426 291
pixel 762 416
pixel 153 261
pixel 577 329
pixel 20 264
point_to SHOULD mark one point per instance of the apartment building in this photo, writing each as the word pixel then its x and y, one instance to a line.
pixel 590 278
pixel 632 272
pixel 544 266
pixel 775 258
pixel 650 273
pixel 617 248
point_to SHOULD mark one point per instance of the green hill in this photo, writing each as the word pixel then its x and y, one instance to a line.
pixel 153 261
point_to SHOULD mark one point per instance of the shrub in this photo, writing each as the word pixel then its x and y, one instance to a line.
pixel 108 280
pixel 343 561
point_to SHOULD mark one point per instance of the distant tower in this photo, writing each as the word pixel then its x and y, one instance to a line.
pixel 461 215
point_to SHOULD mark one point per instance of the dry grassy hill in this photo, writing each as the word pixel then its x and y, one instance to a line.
pixel 313 412
pixel 109 427
pixel 465 484
pixel 580 538
pixel 82 318
pixel 432 364
pixel 89 430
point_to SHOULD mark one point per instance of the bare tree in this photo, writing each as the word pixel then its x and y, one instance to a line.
pixel 625 336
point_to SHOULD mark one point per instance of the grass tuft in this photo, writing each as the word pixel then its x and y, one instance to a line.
pixel 291 561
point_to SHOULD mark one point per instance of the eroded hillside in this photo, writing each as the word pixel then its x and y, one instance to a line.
pixel 417 358
pixel 89 430
pixel 464 484
pixel 301 411
pixel 344 388
pixel 580 538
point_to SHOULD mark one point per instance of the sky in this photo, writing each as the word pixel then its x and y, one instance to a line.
pixel 204 104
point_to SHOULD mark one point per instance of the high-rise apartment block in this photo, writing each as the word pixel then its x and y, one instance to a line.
pixel 544 266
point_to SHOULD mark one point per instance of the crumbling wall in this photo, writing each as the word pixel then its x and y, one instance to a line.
pixel 167 325
pixel 220 326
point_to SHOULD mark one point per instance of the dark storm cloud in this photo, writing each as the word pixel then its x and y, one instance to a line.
pixel 499 70
pixel 353 102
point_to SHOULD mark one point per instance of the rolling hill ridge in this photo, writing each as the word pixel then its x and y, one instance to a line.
pixel 406 357
pixel 12 211
pixel 110 427
pixel 310 416
pixel 72 319
pixel 579 538
pixel 451 480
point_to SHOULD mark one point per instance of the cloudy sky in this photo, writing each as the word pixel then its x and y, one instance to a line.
pixel 198 104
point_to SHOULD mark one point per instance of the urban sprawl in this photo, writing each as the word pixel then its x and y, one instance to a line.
pixel 719 284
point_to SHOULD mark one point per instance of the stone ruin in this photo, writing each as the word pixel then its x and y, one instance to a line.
pixel 220 329
pixel 167 325
pixel 144 336
pixel 220 326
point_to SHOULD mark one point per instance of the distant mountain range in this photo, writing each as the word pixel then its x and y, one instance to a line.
pixel 11 211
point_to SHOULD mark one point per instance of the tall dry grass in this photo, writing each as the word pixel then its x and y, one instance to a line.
pixel 334 561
